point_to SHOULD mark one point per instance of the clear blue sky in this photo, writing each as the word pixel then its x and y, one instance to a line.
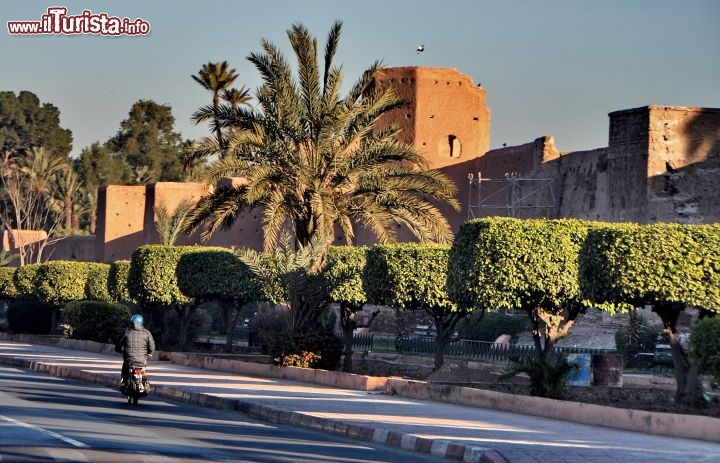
pixel 551 67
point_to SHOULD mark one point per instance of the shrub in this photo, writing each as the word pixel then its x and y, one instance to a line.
pixel 60 281
pixel 704 346
pixel 29 317
pixel 25 281
pixel 316 348
pixel 8 290
pixel 117 282
pixel 152 278
pixel 95 320
pixel 96 286
pixel 548 375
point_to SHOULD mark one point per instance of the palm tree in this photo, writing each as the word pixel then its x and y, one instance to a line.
pixel 168 224
pixel 216 77
pixel 316 160
pixel 236 97
pixel 67 193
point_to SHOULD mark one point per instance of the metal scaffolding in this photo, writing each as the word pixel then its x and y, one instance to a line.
pixel 513 196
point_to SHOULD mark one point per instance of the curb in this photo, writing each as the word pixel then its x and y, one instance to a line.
pixel 436 447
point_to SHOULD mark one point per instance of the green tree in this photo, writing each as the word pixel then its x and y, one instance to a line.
pixel 152 282
pixel 148 144
pixel 313 157
pixel 531 265
pixel 24 123
pixel 411 276
pixel 342 274
pixel 668 266
pixel 218 274
pixel 218 78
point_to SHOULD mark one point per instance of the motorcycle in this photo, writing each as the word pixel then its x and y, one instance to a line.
pixel 137 385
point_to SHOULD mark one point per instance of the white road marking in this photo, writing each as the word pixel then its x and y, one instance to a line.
pixel 67 455
pixel 67 440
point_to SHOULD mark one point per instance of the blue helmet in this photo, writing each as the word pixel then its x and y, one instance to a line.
pixel 137 319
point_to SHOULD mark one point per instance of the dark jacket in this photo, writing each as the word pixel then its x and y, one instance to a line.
pixel 136 344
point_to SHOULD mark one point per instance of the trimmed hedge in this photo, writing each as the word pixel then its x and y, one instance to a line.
pixel 95 320
pixel 152 278
pixel 25 281
pixel 8 290
pixel 215 274
pixel 96 286
pixel 60 281
pixel 407 276
pixel 343 274
pixel 118 282
pixel 505 263
pixel 652 264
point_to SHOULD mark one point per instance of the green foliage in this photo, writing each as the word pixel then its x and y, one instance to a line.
pixel 60 281
pixel 407 276
pixel 95 321
pixel 489 326
pixel 28 123
pixel 29 317
pixel 343 274
pixel 148 144
pixel 291 277
pixel 291 346
pixel 652 264
pixel 548 375
pixel 96 287
pixel 215 274
pixel 8 290
pixel 118 282
pixel 313 157
pixel 503 263
pixel 152 278
pixel 704 346
pixel 97 167
pixel 25 281
pixel 169 225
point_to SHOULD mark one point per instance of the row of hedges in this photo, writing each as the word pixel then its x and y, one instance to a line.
pixel 552 269
pixel 59 282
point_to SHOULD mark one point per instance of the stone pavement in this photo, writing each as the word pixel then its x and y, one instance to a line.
pixel 461 433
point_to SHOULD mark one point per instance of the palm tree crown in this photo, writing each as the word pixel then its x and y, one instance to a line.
pixel 312 158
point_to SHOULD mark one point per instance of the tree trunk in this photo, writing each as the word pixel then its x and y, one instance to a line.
pixel 688 389
pixel 347 318
pixel 229 324
pixel 67 207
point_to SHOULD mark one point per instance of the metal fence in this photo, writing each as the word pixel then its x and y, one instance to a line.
pixel 462 349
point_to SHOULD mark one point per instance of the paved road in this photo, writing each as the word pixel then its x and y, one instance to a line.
pixel 44 418
pixel 520 438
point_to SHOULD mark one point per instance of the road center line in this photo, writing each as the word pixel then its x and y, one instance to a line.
pixel 67 440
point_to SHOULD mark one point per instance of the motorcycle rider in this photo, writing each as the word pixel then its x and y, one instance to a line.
pixel 136 344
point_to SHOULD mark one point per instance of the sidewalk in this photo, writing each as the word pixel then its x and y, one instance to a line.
pixel 457 432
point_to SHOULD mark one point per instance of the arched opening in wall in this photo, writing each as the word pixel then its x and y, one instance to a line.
pixel 449 147
pixel 454 145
